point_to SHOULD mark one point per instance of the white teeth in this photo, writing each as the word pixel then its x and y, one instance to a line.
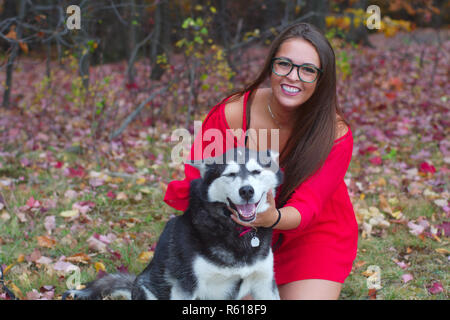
pixel 290 89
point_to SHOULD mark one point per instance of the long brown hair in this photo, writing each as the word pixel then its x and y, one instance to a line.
pixel 308 147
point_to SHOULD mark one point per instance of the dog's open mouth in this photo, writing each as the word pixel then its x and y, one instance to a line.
pixel 246 212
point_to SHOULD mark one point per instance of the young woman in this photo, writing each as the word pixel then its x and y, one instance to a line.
pixel 315 239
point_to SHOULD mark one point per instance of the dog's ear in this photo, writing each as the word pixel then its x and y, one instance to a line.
pixel 199 164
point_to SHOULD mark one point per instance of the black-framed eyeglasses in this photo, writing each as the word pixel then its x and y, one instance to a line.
pixel 306 72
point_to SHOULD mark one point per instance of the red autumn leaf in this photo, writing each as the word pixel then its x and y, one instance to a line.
pixel 425 167
pixel 376 161
pixel 111 195
pixel 132 86
pixel 77 172
pixel 32 203
pixel 444 228
pixel 58 165
pixel 122 269
pixel 115 255
pixel 391 95
pixel 436 288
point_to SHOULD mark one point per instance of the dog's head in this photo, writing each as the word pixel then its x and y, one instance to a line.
pixel 241 179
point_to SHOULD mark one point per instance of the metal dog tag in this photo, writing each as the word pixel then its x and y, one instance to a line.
pixel 255 242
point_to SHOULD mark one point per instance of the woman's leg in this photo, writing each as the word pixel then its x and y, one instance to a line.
pixel 311 289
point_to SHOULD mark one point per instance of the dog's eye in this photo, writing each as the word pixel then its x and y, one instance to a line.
pixel 231 174
pixel 255 172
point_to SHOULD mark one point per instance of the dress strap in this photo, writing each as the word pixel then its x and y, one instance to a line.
pixel 246 116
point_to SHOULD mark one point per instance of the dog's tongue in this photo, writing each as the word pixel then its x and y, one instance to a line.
pixel 246 210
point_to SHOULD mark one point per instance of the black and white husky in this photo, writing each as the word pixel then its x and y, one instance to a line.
pixel 204 254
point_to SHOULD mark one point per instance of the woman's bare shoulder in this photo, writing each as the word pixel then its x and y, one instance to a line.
pixel 233 112
pixel 234 109
pixel 341 127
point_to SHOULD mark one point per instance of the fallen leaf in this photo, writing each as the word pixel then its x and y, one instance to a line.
pixel 111 195
pixel 445 228
pixel 145 256
pixel 49 223
pixel 35 255
pixel 64 267
pixel 96 245
pixel 69 213
pixel 22 217
pixel 145 190
pixel 5 216
pixel 140 181
pixel 376 161
pixel 436 288
pixel 15 289
pixel 99 266
pixel 407 277
pixel 425 167
pixel 415 229
pixel 359 264
pixel 122 196
pixel 33 295
pixel 384 205
pixel 79 258
pixel 5 270
pixel 32 203
pixel 44 260
pixel 402 264
pixel 71 194
pixel 46 242
pixel 442 251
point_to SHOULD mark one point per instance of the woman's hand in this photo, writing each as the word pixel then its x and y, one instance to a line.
pixel 263 219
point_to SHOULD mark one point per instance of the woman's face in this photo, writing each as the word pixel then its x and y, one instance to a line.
pixel 299 51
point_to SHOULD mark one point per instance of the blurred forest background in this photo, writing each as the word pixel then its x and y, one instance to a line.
pixel 86 118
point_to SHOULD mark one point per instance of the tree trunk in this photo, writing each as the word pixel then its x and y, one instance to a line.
pixel 289 11
pixel 320 10
pixel 360 33
pixel 156 47
pixel 132 41
pixel 84 69
pixel 13 56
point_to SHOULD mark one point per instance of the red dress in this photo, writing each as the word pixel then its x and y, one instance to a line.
pixel 324 245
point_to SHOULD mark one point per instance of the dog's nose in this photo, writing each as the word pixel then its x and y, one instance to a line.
pixel 246 192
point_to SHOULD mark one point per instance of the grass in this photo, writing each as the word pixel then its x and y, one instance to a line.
pixel 137 225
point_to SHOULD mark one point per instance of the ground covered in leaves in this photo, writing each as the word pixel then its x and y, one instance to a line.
pixel 75 203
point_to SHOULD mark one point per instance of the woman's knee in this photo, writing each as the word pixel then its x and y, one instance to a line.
pixel 310 289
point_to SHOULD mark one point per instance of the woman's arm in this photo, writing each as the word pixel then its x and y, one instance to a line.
pixel 308 199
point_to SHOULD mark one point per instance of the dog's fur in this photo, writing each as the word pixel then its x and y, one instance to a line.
pixel 203 254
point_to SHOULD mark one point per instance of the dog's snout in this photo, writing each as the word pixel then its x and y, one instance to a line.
pixel 246 192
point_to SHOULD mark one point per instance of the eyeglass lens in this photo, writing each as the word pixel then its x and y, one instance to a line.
pixel 305 73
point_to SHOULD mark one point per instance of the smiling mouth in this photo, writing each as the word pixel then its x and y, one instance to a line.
pixel 246 212
pixel 290 90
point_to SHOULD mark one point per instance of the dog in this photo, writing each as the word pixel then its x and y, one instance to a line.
pixel 203 253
